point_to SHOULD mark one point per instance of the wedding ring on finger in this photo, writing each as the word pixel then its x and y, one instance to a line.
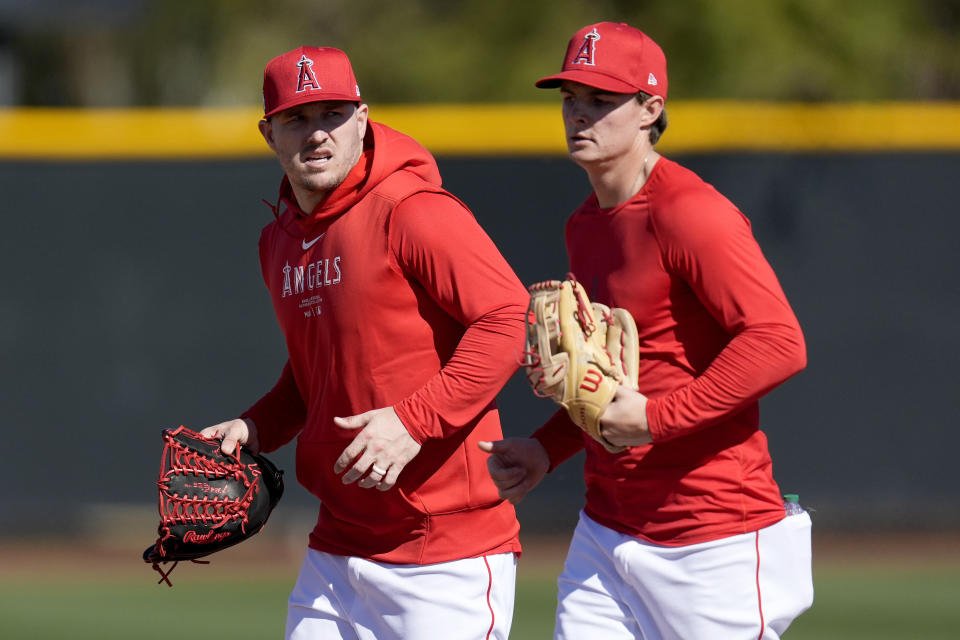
pixel 378 470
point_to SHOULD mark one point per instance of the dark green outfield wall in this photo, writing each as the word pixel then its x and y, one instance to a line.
pixel 132 301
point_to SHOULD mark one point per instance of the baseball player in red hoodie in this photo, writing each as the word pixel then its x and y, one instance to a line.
pixel 684 534
pixel 402 322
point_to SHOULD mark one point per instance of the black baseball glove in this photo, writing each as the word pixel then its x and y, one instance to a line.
pixel 208 500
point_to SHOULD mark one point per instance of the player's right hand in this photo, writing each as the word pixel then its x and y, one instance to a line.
pixel 234 432
pixel 379 452
pixel 516 466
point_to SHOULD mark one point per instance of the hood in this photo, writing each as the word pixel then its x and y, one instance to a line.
pixel 386 151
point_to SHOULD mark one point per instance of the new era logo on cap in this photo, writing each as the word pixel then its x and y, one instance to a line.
pixel 308 74
pixel 613 57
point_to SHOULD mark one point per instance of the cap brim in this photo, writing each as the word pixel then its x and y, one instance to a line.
pixel 313 97
pixel 590 78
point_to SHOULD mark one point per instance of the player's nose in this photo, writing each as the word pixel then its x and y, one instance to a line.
pixel 317 134
pixel 575 113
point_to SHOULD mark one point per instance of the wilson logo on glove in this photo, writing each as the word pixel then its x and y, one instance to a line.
pixel 591 381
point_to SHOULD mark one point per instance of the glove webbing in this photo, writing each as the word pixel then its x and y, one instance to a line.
pixel 533 360
pixel 179 509
pixel 583 315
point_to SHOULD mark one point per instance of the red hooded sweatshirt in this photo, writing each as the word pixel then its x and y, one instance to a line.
pixel 390 294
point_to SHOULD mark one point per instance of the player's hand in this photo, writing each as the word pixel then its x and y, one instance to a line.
pixel 379 452
pixel 516 466
pixel 624 421
pixel 234 432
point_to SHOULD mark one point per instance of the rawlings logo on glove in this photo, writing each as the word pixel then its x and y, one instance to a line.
pixel 577 353
pixel 208 500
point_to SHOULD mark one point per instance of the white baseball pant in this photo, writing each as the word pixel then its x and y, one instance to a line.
pixel 348 598
pixel 745 587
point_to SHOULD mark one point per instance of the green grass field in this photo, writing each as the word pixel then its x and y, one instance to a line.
pixel 46 595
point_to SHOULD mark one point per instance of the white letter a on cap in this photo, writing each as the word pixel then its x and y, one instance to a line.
pixel 587 50
pixel 306 79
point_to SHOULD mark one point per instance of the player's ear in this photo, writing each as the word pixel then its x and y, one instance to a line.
pixel 266 130
pixel 363 112
pixel 652 108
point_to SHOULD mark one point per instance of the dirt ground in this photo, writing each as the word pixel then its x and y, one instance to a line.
pixel 543 556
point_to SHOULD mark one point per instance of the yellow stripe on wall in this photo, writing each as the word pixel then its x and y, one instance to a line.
pixel 58 134
pixel 487 129
pixel 718 126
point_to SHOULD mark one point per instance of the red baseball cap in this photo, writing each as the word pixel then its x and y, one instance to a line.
pixel 613 57
pixel 308 74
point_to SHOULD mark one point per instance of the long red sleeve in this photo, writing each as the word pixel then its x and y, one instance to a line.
pixel 280 414
pixel 440 245
pixel 561 438
pixel 716 255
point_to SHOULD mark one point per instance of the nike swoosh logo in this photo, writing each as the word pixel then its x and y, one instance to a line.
pixel 306 245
